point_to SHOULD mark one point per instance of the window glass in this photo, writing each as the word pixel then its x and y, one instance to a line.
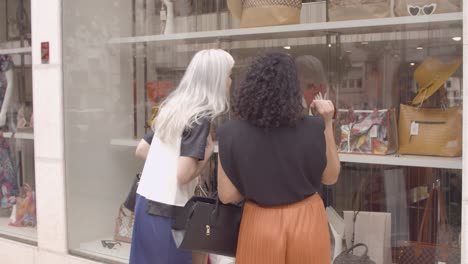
pixel 17 183
pixel 122 58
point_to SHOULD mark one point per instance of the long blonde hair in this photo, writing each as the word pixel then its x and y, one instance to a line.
pixel 202 93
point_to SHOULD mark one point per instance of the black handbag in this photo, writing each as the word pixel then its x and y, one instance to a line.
pixel 130 201
pixel 207 225
pixel 347 257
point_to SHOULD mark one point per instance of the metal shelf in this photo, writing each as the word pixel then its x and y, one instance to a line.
pixel 123 142
pixel 404 160
pixel 23 233
pixel 20 135
pixel 391 160
pixel 16 51
pixel 439 21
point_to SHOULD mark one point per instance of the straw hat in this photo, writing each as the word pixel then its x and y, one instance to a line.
pixel 431 75
pixel 236 7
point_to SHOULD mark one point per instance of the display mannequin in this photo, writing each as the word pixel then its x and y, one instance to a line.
pixel 8 176
pixel 169 17
pixel 6 100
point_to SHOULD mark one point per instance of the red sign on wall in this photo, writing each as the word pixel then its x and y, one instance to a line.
pixel 45 52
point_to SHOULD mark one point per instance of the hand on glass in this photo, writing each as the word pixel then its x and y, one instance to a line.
pixel 325 108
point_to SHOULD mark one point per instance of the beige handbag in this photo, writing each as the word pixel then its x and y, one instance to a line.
pixel 358 9
pixel 124 225
pixel 431 131
pixel 426 7
pixel 263 13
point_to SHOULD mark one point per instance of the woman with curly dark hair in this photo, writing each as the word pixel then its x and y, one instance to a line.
pixel 277 159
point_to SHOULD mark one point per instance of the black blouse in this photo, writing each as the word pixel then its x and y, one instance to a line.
pixel 274 167
pixel 193 142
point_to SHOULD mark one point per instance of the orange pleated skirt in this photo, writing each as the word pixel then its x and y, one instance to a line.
pixel 292 234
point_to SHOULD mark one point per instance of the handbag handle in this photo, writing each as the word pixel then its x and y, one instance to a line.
pixel 428 208
pixel 364 255
pixel 183 220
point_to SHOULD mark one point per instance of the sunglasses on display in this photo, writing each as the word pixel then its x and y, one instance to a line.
pixel 110 244
pixel 422 10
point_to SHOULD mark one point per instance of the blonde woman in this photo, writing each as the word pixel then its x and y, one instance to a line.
pixel 180 148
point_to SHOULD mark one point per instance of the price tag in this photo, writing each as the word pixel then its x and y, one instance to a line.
pixel 414 129
pixel 374 132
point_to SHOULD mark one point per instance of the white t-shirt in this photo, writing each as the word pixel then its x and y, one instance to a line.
pixel 159 178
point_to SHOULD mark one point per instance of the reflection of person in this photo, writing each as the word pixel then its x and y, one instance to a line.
pixel 179 150
pixel 312 78
pixel 277 159
pixel 373 88
pixel 170 19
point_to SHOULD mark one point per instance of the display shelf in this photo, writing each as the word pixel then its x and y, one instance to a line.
pixel 306 30
pixel 16 50
pixel 122 142
pixel 392 160
pixel 404 160
pixel 20 135
pixel 22 233
pixel 94 248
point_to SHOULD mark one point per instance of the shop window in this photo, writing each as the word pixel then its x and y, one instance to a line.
pixel 17 182
pixel 121 59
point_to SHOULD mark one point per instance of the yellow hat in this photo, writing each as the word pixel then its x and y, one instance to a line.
pixel 431 75
pixel 236 7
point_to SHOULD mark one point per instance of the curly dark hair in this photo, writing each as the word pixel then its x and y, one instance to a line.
pixel 269 96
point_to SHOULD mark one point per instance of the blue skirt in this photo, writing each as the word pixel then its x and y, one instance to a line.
pixel 152 241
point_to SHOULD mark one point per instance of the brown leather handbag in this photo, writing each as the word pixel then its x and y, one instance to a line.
pixel 430 131
pixel 263 13
pixel 421 252
pixel 358 9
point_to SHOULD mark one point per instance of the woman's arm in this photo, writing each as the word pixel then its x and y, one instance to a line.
pixel 227 192
pixel 189 168
pixel 142 149
pixel 326 109
pixel 144 146
pixel 332 171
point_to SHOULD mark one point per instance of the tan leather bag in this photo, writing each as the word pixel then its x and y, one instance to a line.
pixel 263 13
pixel 426 7
pixel 339 10
pixel 430 131
pixel 124 225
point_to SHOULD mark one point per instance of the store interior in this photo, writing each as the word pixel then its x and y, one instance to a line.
pixel 17 209
pixel 120 61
